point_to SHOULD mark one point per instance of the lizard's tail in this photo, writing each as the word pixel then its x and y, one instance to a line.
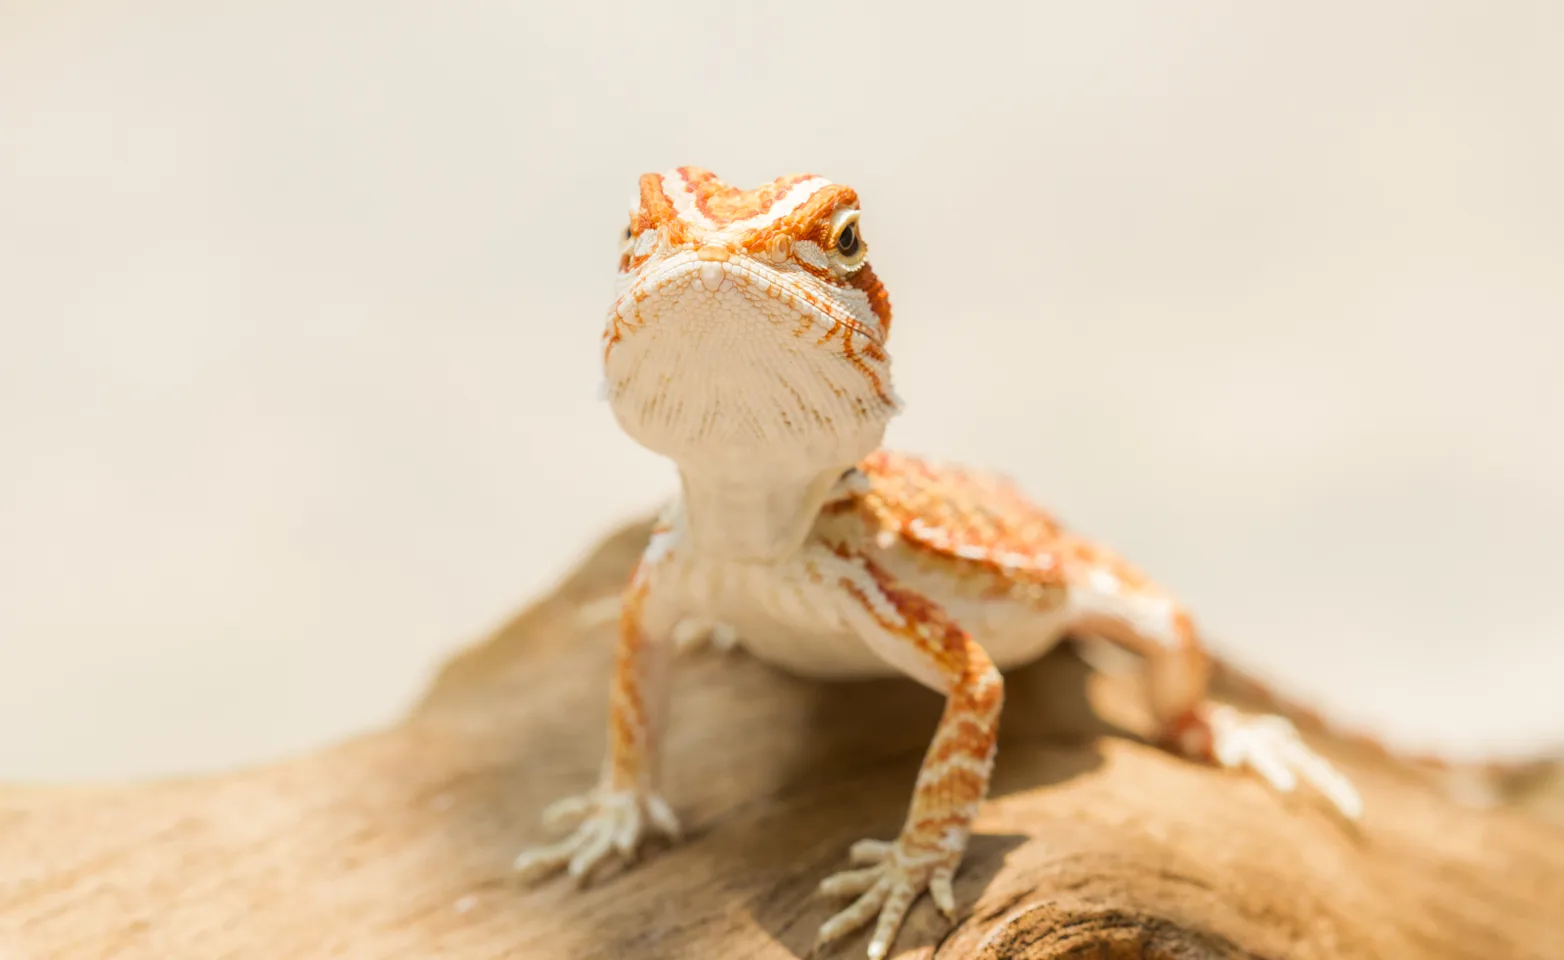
pixel 1477 782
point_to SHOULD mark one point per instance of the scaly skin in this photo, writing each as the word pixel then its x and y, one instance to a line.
pixel 747 344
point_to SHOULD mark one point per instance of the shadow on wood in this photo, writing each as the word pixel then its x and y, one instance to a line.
pixel 1093 844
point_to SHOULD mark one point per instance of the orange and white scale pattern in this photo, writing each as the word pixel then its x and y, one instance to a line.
pixel 746 343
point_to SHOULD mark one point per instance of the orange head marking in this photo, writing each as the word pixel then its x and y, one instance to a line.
pixel 748 326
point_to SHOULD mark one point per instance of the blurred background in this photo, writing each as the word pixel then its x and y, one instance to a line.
pixel 299 307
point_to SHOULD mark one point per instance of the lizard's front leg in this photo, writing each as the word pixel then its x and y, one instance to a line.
pixel 617 815
pixel 914 634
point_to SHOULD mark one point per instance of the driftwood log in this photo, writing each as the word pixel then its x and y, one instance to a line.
pixel 397 844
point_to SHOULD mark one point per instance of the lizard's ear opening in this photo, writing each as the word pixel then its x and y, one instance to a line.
pixel 847 247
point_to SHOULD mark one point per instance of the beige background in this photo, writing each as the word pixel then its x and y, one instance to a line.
pixel 299 305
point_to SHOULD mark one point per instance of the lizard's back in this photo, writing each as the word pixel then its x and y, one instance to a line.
pixel 969 540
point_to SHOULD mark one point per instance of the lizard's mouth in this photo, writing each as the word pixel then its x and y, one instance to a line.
pixel 798 296
pixel 706 359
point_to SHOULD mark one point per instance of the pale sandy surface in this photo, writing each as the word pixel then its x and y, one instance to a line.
pixel 299 305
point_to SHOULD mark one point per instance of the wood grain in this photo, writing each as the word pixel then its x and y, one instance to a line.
pixel 398 843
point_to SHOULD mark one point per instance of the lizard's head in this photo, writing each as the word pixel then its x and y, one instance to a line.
pixel 748 331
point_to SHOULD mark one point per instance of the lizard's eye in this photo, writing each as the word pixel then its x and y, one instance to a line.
pixel 847 245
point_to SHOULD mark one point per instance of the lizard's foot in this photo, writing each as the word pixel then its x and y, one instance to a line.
pixel 887 888
pixel 602 823
pixel 691 633
pixel 1271 747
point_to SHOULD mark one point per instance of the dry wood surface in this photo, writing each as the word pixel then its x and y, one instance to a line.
pixel 397 844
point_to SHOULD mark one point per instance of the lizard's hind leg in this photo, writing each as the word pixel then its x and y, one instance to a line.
pixel 1111 599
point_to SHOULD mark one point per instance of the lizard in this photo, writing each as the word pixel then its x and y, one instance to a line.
pixel 746 342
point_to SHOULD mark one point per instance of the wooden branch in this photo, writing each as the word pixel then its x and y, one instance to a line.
pixel 398 843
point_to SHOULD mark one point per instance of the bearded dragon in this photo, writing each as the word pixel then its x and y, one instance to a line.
pixel 747 343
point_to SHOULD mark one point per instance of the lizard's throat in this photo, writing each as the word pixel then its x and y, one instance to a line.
pixel 733 381
pixel 762 401
pixel 755 518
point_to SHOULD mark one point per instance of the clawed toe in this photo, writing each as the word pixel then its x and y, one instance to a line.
pixel 870 851
pixel 1271 747
pixel 886 889
pixel 603 825
pixel 692 633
